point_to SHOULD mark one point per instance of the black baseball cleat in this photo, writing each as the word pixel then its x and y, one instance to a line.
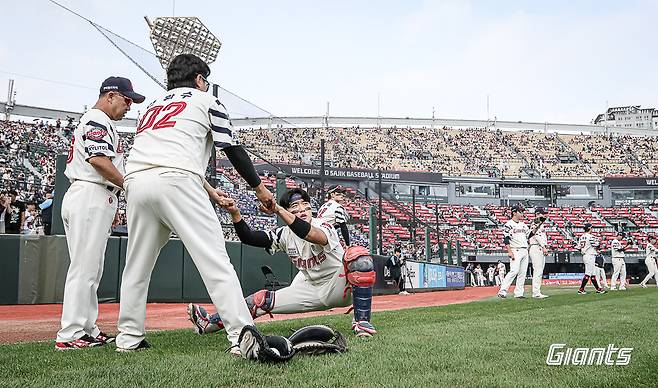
pixel 582 292
pixel 600 291
pixel 503 296
pixel 141 346
pixel 105 338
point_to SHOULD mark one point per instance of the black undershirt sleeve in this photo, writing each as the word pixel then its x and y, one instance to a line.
pixel 254 238
pixel 344 232
pixel 243 165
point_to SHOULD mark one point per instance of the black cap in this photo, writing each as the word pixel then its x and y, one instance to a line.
pixel 518 207
pixel 540 210
pixel 123 86
pixel 587 226
pixel 336 189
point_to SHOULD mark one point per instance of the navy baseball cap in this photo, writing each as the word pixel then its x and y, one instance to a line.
pixel 518 207
pixel 123 86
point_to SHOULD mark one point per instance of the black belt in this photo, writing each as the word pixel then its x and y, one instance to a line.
pixel 112 189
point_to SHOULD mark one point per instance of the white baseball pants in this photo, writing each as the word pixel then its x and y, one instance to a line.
pixel 619 268
pixel 600 276
pixel 518 269
pixel 87 212
pixel 538 261
pixel 159 201
pixel 590 267
pixel 653 271
pixel 301 296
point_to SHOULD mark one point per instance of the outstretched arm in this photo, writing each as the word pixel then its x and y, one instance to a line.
pixel 302 228
pixel 247 236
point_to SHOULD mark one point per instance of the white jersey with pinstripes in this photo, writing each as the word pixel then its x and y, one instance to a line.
pixel 539 238
pixel 651 252
pixel 318 263
pixel 517 233
pixel 333 212
pixel 94 136
pixel 617 249
pixel 178 130
pixel 588 244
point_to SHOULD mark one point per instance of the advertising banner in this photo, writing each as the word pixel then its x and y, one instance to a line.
pixel 455 277
pixel 432 275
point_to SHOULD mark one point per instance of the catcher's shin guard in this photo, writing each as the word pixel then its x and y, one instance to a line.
pixel 360 272
pixel 362 302
pixel 260 302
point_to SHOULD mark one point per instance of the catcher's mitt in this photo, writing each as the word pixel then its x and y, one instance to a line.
pixel 318 339
pixel 271 348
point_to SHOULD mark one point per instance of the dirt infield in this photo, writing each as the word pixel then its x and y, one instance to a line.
pixel 27 323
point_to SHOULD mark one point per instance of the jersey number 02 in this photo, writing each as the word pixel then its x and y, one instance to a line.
pixel 168 112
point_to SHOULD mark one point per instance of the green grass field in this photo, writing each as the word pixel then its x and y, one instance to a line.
pixel 489 343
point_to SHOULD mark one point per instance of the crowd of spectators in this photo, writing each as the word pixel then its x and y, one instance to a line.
pixel 28 150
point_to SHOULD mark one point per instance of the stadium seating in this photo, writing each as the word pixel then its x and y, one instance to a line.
pixel 28 150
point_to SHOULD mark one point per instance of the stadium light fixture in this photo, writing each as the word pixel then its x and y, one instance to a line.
pixel 172 36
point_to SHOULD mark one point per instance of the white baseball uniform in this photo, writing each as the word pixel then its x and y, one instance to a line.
pixel 333 213
pixel 618 264
pixel 88 209
pixel 164 193
pixel 538 242
pixel 479 274
pixel 587 244
pixel 517 232
pixel 501 273
pixel 320 283
pixel 650 261
pixel 490 275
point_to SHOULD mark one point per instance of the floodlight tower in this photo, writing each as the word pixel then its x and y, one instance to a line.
pixel 172 36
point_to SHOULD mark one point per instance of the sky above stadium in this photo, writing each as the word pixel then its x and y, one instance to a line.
pixel 555 61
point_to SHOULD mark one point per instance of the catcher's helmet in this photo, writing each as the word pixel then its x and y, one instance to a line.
pixel 587 227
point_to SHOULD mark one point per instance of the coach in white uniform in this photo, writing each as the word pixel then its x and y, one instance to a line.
pixel 538 251
pixel 618 252
pixel 166 191
pixel 650 261
pixel 515 234
pixel 95 169
pixel 588 244
pixel 334 213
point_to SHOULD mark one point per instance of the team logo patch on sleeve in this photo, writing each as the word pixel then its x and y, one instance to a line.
pixel 95 133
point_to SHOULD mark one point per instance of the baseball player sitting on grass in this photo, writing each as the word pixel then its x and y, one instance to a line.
pixel 326 270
